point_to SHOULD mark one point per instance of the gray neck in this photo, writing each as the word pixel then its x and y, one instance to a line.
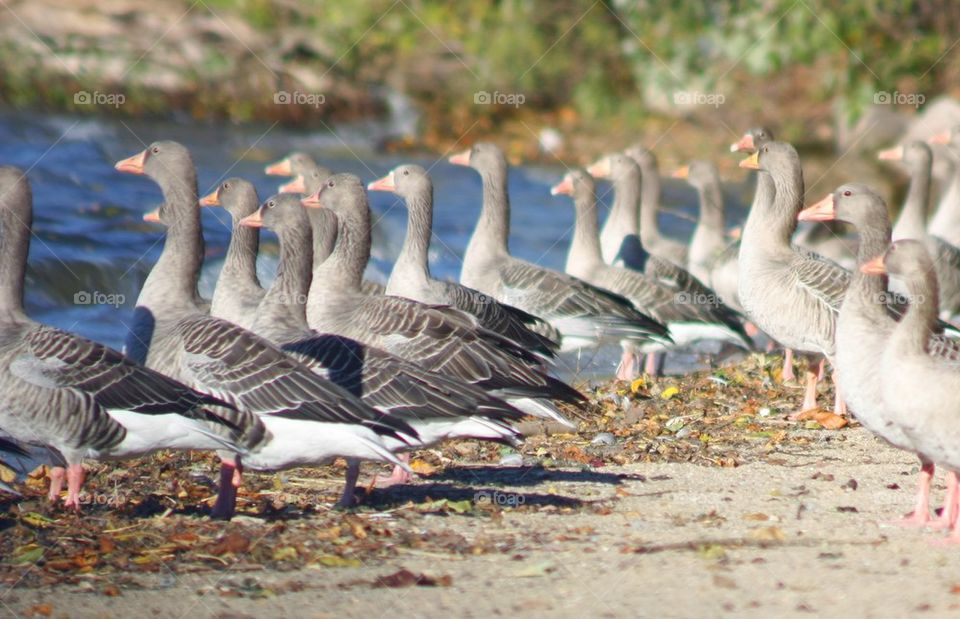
pixel 781 220
pixel 866 292
pixel 342 271
pixel 14 248
pixel 585 251
pixel 413 261
pixel 240 264
pixel 649 202
pixel 287 296
pixel 623 214
pixel 914 329
pixel 493 229
pixel 912 223
pixel 323 225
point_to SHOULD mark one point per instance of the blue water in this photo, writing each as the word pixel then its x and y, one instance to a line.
pixel 89 236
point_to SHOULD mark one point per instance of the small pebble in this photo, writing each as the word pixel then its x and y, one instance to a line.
pixel 513 459
pixel 604 438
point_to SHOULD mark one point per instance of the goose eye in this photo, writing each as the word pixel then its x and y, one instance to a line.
pixel 766 149
pixel 406 172
pixel 848 193
pixel 155 150
pixel 330 184
pixel 226 185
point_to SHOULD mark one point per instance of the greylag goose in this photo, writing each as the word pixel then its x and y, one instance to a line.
pixel 912 222
pixel 308 419
pixel 439 339
pixel 583 314
pixel 689 320
pixel 920 387
pixel 793 296
pixel 298 165
pixel 79 397
pixel 324 222
pixel 437 407
pixel 945 222
pixel 864 326
pixel 712 257
pixel 238 291
pixel 411 277
pixel 650 237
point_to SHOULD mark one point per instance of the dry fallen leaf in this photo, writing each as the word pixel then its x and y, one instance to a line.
pixel 420 467
pixel 768 534
pixel 235 543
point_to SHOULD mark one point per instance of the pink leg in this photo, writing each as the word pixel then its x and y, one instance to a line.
pixel 822 369
pixel 74 483
pixel 651 366
pixel 57 474
pixel 839 404
pixel 348 498
pixel 809 395
pixel 627 370
pixel 787 373
pixel 397 476
pixel 948 515
pixel 231 475
pixel 921 511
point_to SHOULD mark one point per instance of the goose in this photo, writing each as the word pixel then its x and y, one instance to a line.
pixel 437 407
pixel 584 315
pixel 864 325
pixel 625 175
pixel 920 387
pixel 793 296
pixel 297 165
pixel 945 222
pixel 78 397
pixel 438 338
pixel 411 277
pixel 238 291
pixel 323 222
pixel 308 419
pixel 650 237
pixel 711 259
pixel 689 320
pixel 912 222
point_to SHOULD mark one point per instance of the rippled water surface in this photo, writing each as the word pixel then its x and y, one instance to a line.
pixel 91 251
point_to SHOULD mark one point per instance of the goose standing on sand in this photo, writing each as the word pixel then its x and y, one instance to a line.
pixel 411 276
pixel 688 321
pixel 791 295
pixel 77 396
pixel 912 222
pixel 437 407
pixel 650 236
pixel 864 326
pixel 308 420
pixel 439 339
pixel 238 291
pixel 583 314
pixel 921 388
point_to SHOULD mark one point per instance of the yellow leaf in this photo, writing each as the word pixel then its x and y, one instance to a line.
pixel 637 385
pixel 335 561
pixel 423 468
pixel 669 392
pixel 285 553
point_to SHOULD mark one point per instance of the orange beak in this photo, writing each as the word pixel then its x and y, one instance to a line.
pixel 564 187
pixel 153 216
pixel 874 267
pixel 387 183
pixel 211 199
pixel 312 201
pixel 891 154
pixel 134 164
pixel 295 186
pixel 821 211
pixel 600 168
pixel 681 172
pixel 460 158
pixel 743 145
pixel 940 138
pixel 752 162
pixel 280 168
pixel 253 220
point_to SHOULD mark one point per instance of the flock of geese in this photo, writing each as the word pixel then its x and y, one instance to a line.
pixel 324 364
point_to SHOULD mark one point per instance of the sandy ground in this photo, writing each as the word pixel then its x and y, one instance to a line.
pixel 792 536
